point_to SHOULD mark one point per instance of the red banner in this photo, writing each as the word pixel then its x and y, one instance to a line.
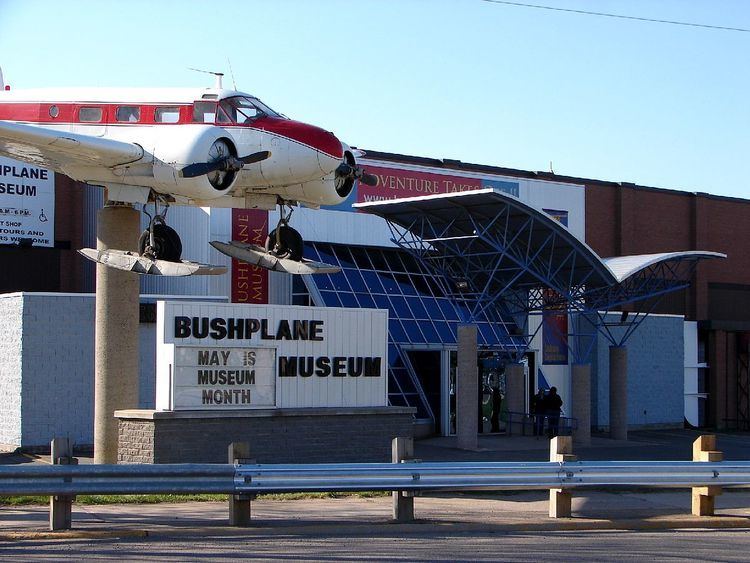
pixel 249 283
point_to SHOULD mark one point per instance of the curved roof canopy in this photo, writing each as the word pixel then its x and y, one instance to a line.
pixel 496 245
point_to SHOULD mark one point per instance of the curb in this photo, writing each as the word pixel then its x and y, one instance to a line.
pixel 72 534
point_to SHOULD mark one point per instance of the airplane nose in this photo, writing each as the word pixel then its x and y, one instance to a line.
pixel 316 138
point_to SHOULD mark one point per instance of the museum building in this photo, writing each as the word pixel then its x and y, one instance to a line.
pixel 695 370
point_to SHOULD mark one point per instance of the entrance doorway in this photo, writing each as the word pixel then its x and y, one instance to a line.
pixel 427 367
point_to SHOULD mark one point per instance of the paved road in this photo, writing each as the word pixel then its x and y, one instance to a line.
pixel 611 525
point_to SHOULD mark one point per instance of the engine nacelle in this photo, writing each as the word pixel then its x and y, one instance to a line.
pixel 181 146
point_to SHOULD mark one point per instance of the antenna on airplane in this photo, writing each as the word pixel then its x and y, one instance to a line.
pixel 231 73
pixel 218 76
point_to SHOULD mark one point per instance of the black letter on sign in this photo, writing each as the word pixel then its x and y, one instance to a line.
pixel 339 365
pixel 316 330
pixel 287 366
pixel 182 327
pixel 218 330
pixel 324 366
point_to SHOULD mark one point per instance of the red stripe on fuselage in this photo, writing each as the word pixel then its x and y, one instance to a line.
pixel 310 135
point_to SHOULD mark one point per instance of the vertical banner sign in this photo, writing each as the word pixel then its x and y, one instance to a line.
pixel 554 329
pixel 249 283
pixel 27 203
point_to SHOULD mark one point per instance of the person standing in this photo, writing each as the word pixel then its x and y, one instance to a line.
pixel 553 407
pixel 538 412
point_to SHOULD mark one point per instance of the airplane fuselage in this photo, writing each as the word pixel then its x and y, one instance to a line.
pixel 158 132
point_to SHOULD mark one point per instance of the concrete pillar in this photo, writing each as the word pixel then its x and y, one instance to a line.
pixel 402 449
pixel 581 398
pixel 618 392
pixel 240 505
pixel 467 388
pixel 704 498
pixel 61 506
pixel 561 500
pixel 515 397
pixel 116 331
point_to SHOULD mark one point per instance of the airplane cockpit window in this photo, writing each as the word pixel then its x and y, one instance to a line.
pixel 90 115
pixel 130 114
pixel 265 109
pixel 167 114
pixel 204 112
pixel 238 110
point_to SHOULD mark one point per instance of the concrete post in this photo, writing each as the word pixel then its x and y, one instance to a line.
pixel 61 506
pixel 467 388
pixel 515 397
pixel 116 331
pixel 560 500
pixel 618 392
pixel 402 449
pixel 581 398
pixel 703 498
pixel 239 505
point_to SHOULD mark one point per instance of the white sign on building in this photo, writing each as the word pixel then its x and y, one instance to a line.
pixel 218 356
pixel 27 203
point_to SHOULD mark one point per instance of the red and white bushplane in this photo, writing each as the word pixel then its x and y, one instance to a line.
pixel 208 147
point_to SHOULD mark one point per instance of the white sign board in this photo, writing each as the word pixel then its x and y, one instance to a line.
pixel 209 376
pixel 223 356
pixel 27 203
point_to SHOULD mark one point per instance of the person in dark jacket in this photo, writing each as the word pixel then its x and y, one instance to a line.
pixel 538 412
pixel 553 406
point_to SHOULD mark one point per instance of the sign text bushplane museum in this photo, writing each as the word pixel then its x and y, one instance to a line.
pixel 230 356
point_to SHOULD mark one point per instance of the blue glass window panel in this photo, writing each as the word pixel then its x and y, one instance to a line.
pixel 323 281
pixel 360 258
pixel 413 332
pixel 405 382
pixel 300 300
pixel 429 332
pixel 378 261
pixel 417 308
pixel 402 309
pixel 393 385
pixel 394 355
pixel 345 257
pixel 365 301
pixel 348 300
pixel 453 326
pixel 356 281
pixel 445 332
pixel 325 254
pixel 339 282
pixel 433 309
pixel 394 261
pixel 372 280
pixel 330 298
pixel 389 284
pixel 396 331
pixel 406 286
pixel 421 285
pixel 397 400
pixel 383 302
pixel 448 309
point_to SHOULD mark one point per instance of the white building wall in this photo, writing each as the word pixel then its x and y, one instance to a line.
pixel 11 311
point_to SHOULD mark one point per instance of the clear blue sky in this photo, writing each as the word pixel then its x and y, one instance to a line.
pixel 605 98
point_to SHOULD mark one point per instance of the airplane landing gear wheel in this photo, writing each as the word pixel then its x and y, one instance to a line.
pixel 285 242
pixel 167 244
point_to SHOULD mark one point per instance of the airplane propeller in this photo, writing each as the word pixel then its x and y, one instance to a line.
pixel 345 171
pixel 226 164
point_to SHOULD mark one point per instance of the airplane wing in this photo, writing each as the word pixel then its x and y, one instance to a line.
pixel 50 148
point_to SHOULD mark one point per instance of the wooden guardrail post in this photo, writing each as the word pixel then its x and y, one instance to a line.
pixel 61 506
pixel 402 449
pixel 239 505
pixel 704 449
pixel 560 500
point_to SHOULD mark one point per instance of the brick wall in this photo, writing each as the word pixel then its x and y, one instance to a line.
pixel 275 436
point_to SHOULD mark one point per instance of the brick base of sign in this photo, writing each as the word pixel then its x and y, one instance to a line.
pixel 275 435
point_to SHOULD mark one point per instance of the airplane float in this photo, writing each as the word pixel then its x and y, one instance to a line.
pixel 208 147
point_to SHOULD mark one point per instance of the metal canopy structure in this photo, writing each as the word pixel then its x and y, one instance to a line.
pixel 503 257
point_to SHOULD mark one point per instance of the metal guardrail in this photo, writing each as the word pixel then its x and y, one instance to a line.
pixel 409 476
